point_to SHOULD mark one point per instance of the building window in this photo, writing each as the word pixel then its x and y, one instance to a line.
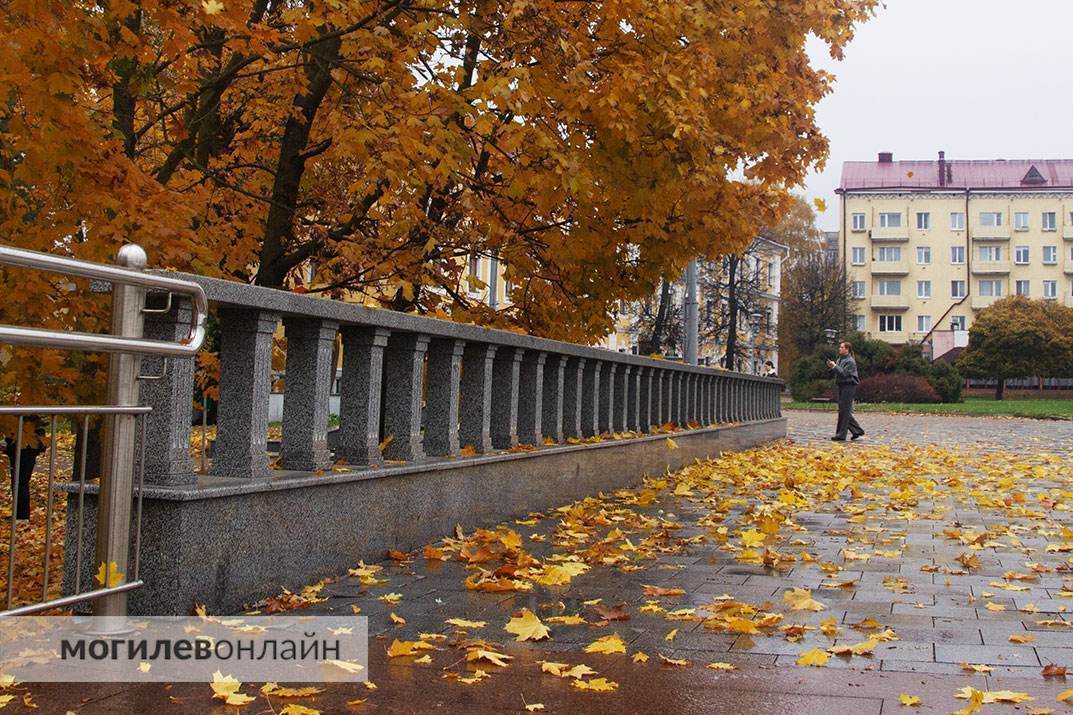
pixel 858 289
pixel 1049 221
pixel 858 323
pixel 858 222
pixel 493 283
pixel 923 289
pixel 1020 221
pixel 923 323
pixel 990 218
pixel 923 220
pixel 957 255
pixel 858 256
pixel 957 221
pixel 890 323
pixel 1050 255
pixel 923 255
pixel 475 274
pixel 957 289
pixel 957 322
pixel 890 253
pixel 1050 289
pixel 890 220
pixel 989 253
pixel 890 287
pixel 991 288
pixel 1023 288
pixel 1020 255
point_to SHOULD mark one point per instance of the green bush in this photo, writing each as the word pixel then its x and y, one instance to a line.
pixel 810 377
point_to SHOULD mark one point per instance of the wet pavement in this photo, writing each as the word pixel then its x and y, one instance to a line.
pixel 932 544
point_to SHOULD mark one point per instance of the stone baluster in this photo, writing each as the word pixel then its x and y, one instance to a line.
pixel 590 399
pixel 675 388
pixel 531 397
pixel 702 400
pixel 241 448
pixel 404 372
pixel 476 420
pixel 633 398
pixel 505 373
pixel 551 419
pixel 666 403
pixel 644 399
pixel 573 399
pixel 606 422
pixel 359 395
pixel 442 388
pixel 167 451
pixel 692 413
pixel 621 408
pixel 307 387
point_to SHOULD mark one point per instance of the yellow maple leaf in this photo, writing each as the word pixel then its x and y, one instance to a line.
pixel 909 700
pixel 815 657
pixel 280 692
pixel 397 620
pixel 114 576
pixel 212 7
pixel 721 666
pixel 608 644
pixel 978 668
pixel 399 649
pixel 1065 695
pixel 574 620
pixel 752 538
pixel 491 656
pixel 527 627
pixel 144 667
pixel 598 685
pixel 296 709
pixel 347 665
pixel 392 598
pixel 800 599
pixel 681 662
pixel 225 687
pixel 995 607
pixel 820 205
pixel 671 444
pixel 463 623
pixel 640 657
pixel 534 707
pixel 670 636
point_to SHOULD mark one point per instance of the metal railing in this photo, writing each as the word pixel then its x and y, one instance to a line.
pixel 123 418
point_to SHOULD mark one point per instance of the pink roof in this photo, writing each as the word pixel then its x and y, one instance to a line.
pixel 976 174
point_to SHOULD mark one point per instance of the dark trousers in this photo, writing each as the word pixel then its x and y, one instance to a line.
pixel 846 420
pixel 22 488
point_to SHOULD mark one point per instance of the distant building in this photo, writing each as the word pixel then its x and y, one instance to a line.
pixel 830 245
pixel 928 244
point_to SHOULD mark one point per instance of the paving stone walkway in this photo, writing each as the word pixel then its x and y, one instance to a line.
pixel 945 613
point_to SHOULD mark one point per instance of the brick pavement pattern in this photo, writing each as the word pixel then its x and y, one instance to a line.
pixel 938 607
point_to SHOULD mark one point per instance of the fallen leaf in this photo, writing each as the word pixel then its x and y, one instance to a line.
pixel 909 700
pixel 608 644
pixel 463 623
pixel 597 685
pixel 225 687
pixel 814 657
pixel 527 627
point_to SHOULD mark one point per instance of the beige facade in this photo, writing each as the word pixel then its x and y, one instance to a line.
pixel 927 259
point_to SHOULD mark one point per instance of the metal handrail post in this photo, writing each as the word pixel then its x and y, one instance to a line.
pixel 117 454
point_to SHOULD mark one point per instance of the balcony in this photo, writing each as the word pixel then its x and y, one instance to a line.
pixel 900 234
pixel 1068 300
pixel 1067 233
pixel 890 302
pixel 990 267
pixel 1067 267
pixel 979 302
pixel 890 268
pixel 894 337
pixel 991 233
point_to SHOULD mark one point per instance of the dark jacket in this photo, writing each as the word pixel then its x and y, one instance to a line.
pixel 845 371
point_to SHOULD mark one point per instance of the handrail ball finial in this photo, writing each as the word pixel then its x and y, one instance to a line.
pixel 133 256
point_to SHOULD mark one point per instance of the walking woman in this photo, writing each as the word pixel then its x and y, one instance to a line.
pixel 846 379
pixel 34 442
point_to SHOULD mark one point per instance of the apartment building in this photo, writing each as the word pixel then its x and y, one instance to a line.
pixel 927 245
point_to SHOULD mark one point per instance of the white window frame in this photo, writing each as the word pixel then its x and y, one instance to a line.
pixel 957 283
pixel 957 221
pixel 1053 250
pixel 858 322
pixel 885 253
pixel 958 322
pixel 1019 259
pixel 883 287
pixel 924 255
pixel 994 218
pixel 886 217
pixel 1020 221
pixel 1027 292
pixel 890 323
pixel 923 289
pixel 923 220
pixel 989 254
pixel 1048 221
pixel 994 287
pixel 854 252
pixel 858 289
pixel 857 225
pixel 1053 292
pixel 923 323
pixel 954 250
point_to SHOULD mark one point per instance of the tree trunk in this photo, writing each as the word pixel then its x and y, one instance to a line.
pixel 732 312
pixel 654 342
pixel 1000 387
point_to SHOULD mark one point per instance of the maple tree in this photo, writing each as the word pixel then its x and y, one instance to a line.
pixel 591 147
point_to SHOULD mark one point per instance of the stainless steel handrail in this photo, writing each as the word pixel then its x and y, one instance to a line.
pixel 72 340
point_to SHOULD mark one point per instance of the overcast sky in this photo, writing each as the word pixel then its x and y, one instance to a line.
pixel 980 79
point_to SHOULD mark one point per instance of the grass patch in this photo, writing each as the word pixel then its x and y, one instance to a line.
pixel 1044 408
